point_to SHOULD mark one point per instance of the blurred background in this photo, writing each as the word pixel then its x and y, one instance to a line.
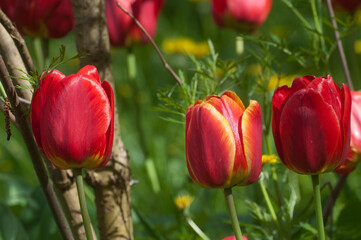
pixel 282 48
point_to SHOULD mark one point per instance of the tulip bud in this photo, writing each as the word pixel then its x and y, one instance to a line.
pixel 224 141
pixel 311 124
pixel 40 18
pixel 73 119
pixel 234 238
pixel 243 15
pixel 122 29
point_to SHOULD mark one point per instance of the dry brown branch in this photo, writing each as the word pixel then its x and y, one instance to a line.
pixel 111 183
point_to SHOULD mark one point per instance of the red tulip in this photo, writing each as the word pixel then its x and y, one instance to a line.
pixel 355 146
pixel 349 164
pixel 244 15
pixel 72 119
pixel 122 30
pixel 224 141
pixel 311 124
pixel 346 5
pixel 234 238
pixel 40 18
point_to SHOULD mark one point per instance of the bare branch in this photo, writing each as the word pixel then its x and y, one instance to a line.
pixel 166 65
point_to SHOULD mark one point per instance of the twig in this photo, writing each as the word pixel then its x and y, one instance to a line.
pixel 339 45
pixel 166 65
pixel 34 152
pixel 334 194
pixel 19 42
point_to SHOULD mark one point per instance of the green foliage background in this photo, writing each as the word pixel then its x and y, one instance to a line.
pixel 156 146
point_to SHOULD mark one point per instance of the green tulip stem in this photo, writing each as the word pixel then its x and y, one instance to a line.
pixel 317 22
pixel 318 206
pixel 232 213
pixel 84 211
pixel 39 55
pixel 270 208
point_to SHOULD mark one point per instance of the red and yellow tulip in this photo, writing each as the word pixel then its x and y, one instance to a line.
pixel 72 118
pixel 224 141
pixel 311 124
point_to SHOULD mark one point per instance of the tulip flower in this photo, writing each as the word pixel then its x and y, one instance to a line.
pixel 234 238
pixel 311 124
pixel 40 18
pixel 355 146
pixel 346 5
pixel 72 118
pixel 224 141
pixel 122 29
pixel 243 15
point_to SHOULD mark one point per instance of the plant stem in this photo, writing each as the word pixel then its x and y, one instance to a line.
pixel 39 56
pixel 232 212
pixel 339 45
pixel 317 22
pixel 318 206
pixel 270 208
pixel 195 228
pixel 83 207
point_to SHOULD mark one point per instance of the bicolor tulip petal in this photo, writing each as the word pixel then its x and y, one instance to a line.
pixel 224 141
pixel 311 124
pixel 72 119
pixel 234 238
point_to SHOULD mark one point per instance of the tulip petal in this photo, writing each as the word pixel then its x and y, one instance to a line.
pixel 252 143
pixel 110 133
pixel 310 134
pixel 356 121
pixel 346 120
pixel 210 147
pixel 39 100
pixel 329 91
pixel 76 121
pixel 91 71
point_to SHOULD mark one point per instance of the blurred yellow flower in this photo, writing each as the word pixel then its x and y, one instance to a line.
pixel 279 80
pixel 254 69
pixel 357 46
pixel 183 201
pixel 267 159
pixel 183 45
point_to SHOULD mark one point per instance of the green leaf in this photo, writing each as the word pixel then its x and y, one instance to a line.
pixel 10 227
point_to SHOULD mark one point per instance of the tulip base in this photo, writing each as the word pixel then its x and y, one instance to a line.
pixel 232 213
pixel 318 206
pixel 84 210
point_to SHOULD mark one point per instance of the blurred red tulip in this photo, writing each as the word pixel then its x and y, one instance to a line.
pixel 243 15
pixel 234 238
pixel 224 141
pixel 122 30
pixel 346 5
pixel 40 18
pixel 311 124
pixel 355 146
pixel 72 119
pixel 349 164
